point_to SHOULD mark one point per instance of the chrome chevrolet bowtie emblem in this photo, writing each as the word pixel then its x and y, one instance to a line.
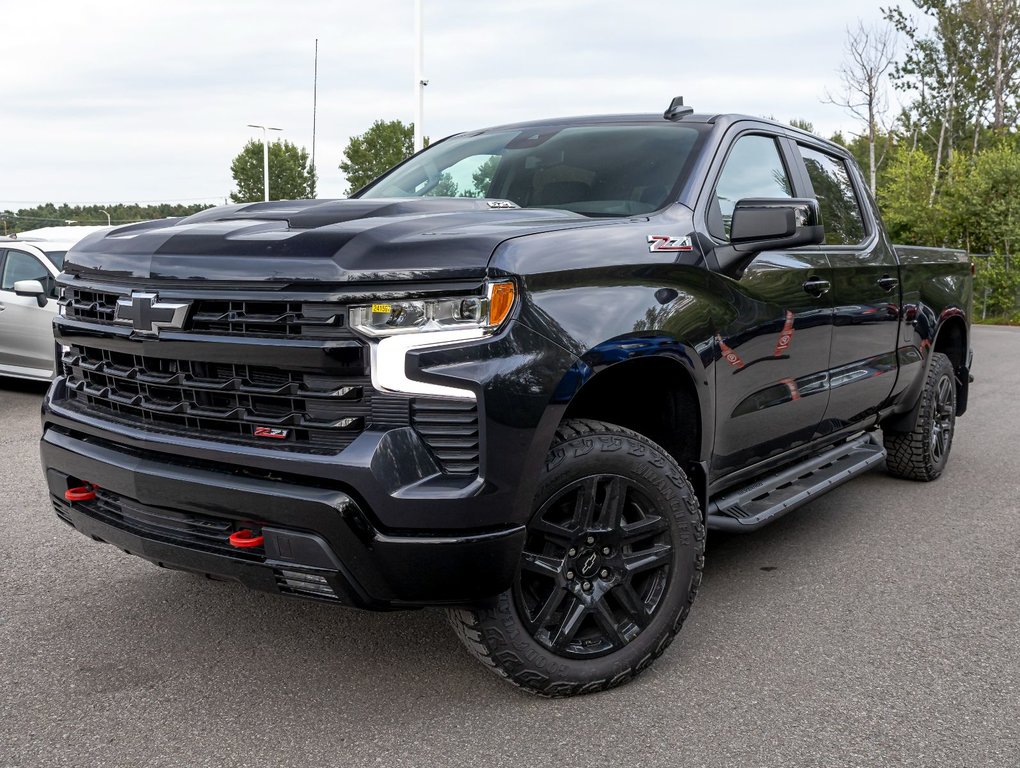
pixel 147 314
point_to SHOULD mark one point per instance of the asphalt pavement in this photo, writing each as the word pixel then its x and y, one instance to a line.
pixel 878 626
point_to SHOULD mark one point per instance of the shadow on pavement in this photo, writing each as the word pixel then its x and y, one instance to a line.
pixel 8 384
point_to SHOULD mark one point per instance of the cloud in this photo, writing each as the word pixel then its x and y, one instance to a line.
pixel 139 101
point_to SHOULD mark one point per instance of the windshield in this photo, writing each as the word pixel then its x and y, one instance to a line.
pixel 56 257
pixel 596 170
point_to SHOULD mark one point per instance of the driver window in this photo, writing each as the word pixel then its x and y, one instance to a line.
pixel 754 168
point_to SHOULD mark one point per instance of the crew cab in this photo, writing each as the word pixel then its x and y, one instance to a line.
pixel 519 376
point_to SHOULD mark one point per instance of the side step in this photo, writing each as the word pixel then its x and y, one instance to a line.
pixel 763 501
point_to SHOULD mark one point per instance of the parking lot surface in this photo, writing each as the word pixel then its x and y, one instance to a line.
pixel 880 625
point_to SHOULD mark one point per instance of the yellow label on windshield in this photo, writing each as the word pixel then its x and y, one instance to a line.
pixel 384 308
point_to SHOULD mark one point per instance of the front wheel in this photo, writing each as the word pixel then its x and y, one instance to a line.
pixel 611 565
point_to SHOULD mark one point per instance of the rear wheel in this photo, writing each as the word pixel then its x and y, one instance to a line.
pixel 611 564
pixel 922 453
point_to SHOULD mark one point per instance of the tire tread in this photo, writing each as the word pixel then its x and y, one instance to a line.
pixel 907 453
pixel 485 642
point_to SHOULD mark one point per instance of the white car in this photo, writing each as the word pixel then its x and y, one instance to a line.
pixel 29 265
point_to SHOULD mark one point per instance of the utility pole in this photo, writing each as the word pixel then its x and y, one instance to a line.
pixel 265 157
pixel 419 81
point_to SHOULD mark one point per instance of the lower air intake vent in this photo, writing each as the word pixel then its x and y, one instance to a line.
pixel 450 428
pixel 306 584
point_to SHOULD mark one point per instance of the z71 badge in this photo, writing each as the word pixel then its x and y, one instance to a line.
pixel 658 243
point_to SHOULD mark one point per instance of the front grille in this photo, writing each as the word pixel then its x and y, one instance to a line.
pixel 270 407
pixel 450 429
pixel 201 532
pixel 261 405
pixel 223 317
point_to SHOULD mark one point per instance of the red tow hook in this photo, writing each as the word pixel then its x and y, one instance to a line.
pixel 85 492
pixel 245 539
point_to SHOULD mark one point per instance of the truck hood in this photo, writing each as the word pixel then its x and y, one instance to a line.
pixel 334 241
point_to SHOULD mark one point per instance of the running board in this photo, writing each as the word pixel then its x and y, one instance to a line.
pixel 750 508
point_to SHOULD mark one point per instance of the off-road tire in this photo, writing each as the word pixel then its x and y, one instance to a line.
pixel 584 452
pixel 922 454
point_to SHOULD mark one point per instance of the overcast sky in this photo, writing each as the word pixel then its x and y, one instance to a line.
pixel 149 102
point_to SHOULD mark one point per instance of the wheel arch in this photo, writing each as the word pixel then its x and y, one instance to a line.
pixel 951 339
pixel 661 396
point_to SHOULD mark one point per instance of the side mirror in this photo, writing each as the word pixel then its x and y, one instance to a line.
pixel 31 288
pixel 763 224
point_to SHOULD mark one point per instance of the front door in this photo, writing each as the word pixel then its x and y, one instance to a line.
pixel 26 329
pixel 771 383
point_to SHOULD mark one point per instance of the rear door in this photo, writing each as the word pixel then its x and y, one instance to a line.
pixel 865 291
pixel 771 383
pixel 26 329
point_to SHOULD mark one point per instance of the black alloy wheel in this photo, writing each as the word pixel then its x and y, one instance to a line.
pixel 595 567
pixel 943 417
pixel 611 564
pixel 923 452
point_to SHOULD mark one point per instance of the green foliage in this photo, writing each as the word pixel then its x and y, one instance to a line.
pixel 804 125
pixel 446 187
pixel 51 215
pixel 903 197
pixel 996 287
pixel 985 197
pixel 290 175
pixel 374 152
pixel 976 207
pixel 482 178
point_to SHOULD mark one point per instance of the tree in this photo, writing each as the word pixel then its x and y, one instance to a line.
pixel 482 178
pixel 939 68
pixel 375 151
pixel 51 215
pixel 910 181
pixel 999 23
pixel 290 175
pixel 965 68
pixel 869 54
pixel 804 125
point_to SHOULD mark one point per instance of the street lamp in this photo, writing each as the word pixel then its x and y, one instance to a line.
pixel 107 217
pixel 419 80
pixel 265 157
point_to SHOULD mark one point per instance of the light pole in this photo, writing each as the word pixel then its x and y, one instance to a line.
pixel 265 157
pixel 419 79
pixel 107 216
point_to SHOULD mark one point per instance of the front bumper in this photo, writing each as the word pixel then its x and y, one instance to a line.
pixel 319 542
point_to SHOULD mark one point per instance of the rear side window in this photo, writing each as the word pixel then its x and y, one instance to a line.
pixel 754 168
pixel 841 211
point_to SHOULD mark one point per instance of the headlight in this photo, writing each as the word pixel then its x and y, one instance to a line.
pixel 424 315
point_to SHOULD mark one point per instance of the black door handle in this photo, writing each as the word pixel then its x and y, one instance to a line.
pixel 887 283
pixel 816 286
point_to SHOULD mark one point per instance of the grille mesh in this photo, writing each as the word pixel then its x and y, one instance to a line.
pixel 223 401
pixel 243 318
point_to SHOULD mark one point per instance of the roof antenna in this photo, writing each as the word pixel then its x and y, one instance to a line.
pixel 677 109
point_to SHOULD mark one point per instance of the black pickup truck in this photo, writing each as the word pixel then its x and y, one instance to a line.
pixel 519 376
